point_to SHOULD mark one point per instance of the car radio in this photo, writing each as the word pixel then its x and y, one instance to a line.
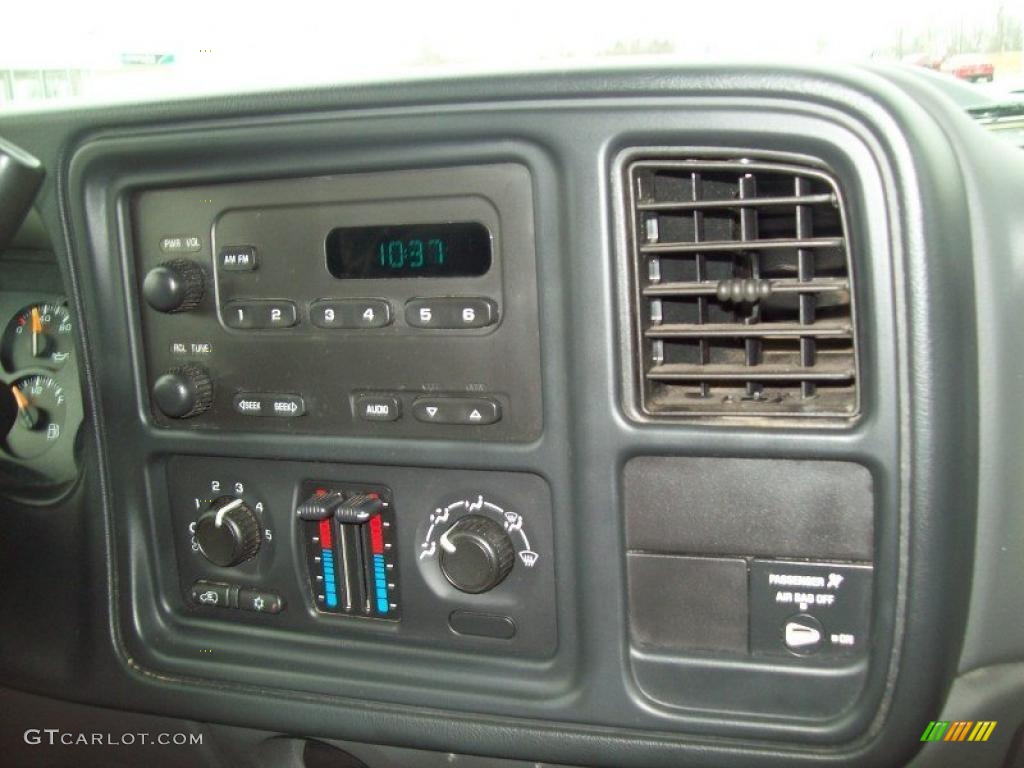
pixel 401 303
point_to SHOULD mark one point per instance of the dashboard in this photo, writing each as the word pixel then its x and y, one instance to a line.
pixel 658 417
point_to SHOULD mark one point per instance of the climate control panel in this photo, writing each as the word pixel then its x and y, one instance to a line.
pixel 422 556
pixel 282 305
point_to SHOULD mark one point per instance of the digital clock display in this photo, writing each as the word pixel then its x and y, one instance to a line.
pixel 409 250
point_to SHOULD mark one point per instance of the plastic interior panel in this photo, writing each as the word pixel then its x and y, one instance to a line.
pixel 527 596
pixel 601 445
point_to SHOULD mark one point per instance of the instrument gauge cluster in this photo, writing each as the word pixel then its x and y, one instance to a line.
pixel 40 400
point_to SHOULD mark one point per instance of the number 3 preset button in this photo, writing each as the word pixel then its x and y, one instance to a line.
pixel 450 312
pixel 350 313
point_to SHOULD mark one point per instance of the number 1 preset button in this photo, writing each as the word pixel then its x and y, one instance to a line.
pixel 260 314
pixel 350 313
pixel 450 312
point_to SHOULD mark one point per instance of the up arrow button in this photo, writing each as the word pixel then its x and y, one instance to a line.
pixel 471 411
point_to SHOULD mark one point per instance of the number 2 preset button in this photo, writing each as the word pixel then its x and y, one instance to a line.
pixel 450 312
pixel 259 315
pixel 350 313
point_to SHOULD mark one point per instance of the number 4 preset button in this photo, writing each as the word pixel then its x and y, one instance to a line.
pixel 350 313
pixel 450 312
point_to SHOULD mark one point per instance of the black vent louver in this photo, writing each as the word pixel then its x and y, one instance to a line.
pixel 743 300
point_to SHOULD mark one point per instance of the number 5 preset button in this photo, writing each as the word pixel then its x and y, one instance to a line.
pixel 350 313
pixel 450 312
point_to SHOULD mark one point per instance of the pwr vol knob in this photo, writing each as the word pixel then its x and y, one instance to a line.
pixel 228 532
pixel 174 286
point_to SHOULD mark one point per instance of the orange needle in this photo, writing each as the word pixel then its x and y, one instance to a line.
pixel 37 331
pixel 19 397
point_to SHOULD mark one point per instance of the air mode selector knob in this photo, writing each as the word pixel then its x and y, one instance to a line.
pixel 183 392
pixel 174 286
pixel 228 532
pixel 476 554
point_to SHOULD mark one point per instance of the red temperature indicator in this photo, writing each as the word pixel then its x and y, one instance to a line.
pixel 376 535
pixel 325 534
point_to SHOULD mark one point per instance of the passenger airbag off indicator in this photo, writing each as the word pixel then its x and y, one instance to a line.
pixel 809 609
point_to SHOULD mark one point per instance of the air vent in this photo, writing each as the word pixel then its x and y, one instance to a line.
pixel 743 294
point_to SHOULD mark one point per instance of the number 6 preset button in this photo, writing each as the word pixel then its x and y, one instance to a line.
pixel 350 313
pixel 450 312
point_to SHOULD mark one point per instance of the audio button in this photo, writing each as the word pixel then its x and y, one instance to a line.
pixel 378 407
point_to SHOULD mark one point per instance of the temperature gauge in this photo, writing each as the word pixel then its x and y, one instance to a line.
pixel 40 418
pixel 39 335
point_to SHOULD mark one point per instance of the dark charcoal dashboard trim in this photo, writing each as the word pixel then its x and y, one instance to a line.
pixel 936 480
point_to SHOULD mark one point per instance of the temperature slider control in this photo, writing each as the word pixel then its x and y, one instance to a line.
pixel 351 556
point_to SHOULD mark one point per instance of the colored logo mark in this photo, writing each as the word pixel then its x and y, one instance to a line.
pixel 958 730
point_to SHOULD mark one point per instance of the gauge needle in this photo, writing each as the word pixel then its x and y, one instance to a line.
pixel 37 329
pixel 29 415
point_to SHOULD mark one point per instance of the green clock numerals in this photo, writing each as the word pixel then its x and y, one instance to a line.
pixel 410 254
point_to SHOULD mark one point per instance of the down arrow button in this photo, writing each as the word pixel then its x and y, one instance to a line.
pixel 474 411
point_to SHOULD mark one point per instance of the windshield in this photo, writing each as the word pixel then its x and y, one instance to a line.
pixel 101 52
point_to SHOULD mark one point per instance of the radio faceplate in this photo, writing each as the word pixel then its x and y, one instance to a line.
pixel 266 338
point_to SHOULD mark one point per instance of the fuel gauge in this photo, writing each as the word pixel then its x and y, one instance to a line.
pixel 39 422
pixel 39 335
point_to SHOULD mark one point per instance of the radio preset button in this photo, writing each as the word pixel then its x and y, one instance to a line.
pixel 456 410
pixel 237 258
pixel 350 313
pixel 378 407
pixel 450 313
pixel 260 315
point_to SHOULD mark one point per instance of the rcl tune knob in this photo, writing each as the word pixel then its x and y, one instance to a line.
pixel 476 554
pixel 228 532
pixel 183 392
pixel 174 286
